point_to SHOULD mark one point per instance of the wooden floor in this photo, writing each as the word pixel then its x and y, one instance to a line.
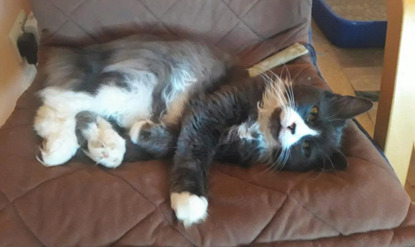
pixel 351 72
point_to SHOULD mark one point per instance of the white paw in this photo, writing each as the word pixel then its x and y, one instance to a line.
pixel 57 150
pixel 189 208
pixel 136 128
pixel 107 148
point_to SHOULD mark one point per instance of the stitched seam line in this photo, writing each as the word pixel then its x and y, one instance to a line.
pixel 270 221
pixel 156 18
pixel 164 216
pixel 45 182
pixel 26 225
pixel 136 224
pixel 68 17
pixel 242 21
pixel 288 195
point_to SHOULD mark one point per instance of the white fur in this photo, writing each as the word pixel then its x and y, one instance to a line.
pixel 105 145
pixel 57 149
pixel 189 208
pixel 136 128
pixel 181 80
pixel 286 137
pixel 123 105
pixel 58 130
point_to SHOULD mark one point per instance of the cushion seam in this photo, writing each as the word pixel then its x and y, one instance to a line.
pixel 25 224
pixel 132 227
pixel 288 195
pixel 269 222
pixel 45 182
pixel 164 217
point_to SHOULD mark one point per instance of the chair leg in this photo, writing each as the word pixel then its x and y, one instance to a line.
pixel 395 122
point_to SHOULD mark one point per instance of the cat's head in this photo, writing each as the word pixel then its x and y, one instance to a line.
pixel 306 125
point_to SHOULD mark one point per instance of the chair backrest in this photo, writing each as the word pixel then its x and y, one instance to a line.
pixel 251 29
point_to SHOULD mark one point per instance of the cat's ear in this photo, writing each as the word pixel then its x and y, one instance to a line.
pixel 338 160
pixel 345 107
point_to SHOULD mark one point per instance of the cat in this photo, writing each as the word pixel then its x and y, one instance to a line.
pixel 206 110
pixel 248 121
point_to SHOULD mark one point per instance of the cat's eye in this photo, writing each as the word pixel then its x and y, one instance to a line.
pixel 306 148
pixel 313 114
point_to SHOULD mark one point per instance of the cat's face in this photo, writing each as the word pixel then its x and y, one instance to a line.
pixel 308 127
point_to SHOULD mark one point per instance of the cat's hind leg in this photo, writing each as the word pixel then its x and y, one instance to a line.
pixel 100 141
pixel 58 132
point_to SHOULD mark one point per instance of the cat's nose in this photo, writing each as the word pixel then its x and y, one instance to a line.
pixel 292 128
pixel 105 154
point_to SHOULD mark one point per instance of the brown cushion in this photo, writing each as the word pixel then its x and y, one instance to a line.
pixel 82 204
pixel 250 29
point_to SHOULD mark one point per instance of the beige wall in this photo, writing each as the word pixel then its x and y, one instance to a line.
pixel 11 83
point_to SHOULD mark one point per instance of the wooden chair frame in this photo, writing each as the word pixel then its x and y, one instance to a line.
pixel 395 121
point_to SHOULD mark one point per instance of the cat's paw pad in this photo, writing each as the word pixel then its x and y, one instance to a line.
pixel 189 208
pixel 107 149
pixel 136 129
pixel 57 150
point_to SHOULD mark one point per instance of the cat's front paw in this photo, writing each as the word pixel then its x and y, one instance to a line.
pixel 136 129
pixel 107 149
pixel 189 208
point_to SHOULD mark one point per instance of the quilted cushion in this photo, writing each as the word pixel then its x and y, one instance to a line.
pixel 79 204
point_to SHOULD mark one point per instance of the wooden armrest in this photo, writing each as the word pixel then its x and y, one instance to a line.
pixel 395 122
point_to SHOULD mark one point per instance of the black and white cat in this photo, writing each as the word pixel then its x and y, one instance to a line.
pixel 180 98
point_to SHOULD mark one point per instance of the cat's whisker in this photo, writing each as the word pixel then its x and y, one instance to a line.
pixel 275 86
pixel 282 159
pixel 273 92
pixel 288 95
pixel 325 157
pixel 331 119
pixel 339 110
pixel 271 161
pixel 287 157
pixel 331 162
pixel 287 82
pixel 282 98
pixel 275 89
